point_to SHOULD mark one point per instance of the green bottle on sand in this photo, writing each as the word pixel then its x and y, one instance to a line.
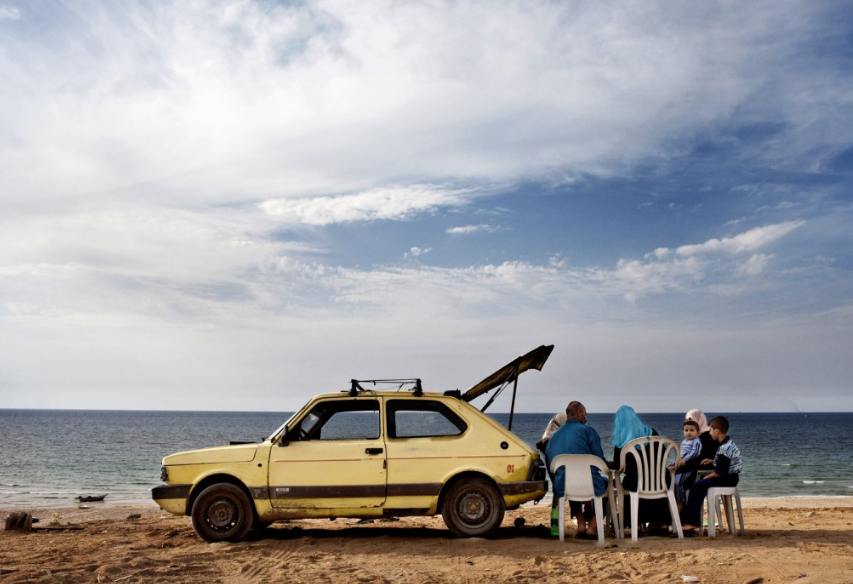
pixel 555 522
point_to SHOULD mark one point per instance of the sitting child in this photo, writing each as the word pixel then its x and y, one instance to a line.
pixel 728 463
pixel 691 447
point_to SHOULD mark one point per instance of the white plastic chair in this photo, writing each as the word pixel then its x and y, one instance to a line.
pixel 651 454
pixel 579 487
pixel 716 495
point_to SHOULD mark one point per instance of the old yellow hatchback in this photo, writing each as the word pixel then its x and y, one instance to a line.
pixel 365 453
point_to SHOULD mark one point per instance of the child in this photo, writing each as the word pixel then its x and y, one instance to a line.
pixel 727 466
pixel 691 447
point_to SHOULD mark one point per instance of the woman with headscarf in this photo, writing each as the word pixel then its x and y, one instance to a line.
pixel 628 426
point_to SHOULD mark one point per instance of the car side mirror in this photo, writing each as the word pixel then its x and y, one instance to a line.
pixel 284 438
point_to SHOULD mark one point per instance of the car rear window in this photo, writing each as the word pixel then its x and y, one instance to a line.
pixel 419 418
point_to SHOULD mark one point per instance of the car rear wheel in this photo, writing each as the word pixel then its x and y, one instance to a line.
pixel 473 507
pixel 222 512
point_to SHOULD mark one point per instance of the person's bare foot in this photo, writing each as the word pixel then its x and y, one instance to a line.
pixel 689 527
pixel 591 531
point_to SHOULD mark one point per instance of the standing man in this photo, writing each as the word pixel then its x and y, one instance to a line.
pixel 575 437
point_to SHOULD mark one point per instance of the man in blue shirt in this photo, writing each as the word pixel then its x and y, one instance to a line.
pixel 575 437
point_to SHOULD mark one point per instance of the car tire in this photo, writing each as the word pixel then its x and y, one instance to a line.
pixel 222 512
pixel 473 507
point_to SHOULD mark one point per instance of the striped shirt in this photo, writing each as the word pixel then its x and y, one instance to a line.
pixel 690 449
pixel 728 459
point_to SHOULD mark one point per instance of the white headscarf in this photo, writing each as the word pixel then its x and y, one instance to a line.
pixel 698 417
pixel 554 424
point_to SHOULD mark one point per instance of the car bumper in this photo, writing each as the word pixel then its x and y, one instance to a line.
pixel 172 498
pixel 539 488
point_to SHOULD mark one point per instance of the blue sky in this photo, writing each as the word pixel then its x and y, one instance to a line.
pixel 237 205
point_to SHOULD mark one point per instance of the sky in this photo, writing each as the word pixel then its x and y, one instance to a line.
pixel 237 205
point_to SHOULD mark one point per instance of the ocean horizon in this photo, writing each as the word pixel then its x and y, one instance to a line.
pixel 52 456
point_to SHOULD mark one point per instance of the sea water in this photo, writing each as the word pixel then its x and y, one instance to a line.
pixel 51 456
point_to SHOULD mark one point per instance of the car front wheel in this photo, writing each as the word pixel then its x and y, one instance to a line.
pixel 222 512
pixel 473 507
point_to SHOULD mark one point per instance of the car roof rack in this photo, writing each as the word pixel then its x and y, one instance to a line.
pixel 414 385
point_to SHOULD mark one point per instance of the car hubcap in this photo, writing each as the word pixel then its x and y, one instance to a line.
pixel 473 508
pixel 222 514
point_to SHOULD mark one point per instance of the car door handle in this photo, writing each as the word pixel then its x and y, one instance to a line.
pixel 373 450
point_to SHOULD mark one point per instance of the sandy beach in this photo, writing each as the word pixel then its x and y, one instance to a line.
pixel 787 540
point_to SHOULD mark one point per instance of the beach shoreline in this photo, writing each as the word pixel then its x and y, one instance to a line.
pixel 787 539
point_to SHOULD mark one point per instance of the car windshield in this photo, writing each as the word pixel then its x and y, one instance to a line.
pixel 281 428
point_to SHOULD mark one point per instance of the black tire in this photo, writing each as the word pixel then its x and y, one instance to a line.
pixel 223 512
pixel 473 507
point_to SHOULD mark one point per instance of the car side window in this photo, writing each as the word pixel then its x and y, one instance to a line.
pixel 419 418
pixel 341 420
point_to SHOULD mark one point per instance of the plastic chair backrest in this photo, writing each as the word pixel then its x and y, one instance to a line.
pixel 652 454
pixel 579 486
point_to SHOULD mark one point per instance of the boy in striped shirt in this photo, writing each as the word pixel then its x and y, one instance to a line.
pixel 727 462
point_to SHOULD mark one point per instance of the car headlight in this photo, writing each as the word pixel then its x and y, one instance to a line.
pixel 164 474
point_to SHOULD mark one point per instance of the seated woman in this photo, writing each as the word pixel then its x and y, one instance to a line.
pixel 652 512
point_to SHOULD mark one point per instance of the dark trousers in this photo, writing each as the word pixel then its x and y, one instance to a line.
pixel 692 514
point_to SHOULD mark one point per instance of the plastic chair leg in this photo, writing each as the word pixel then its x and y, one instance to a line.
pixel 728 502
pixel 562 504
pixel 741 531
pixel 712 520
pixel 599 518
pixel 673 511
pixel 635 515
pixel 614 517
pixel 730 514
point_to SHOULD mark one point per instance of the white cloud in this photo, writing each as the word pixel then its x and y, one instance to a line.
pixel 466 229
pixel 704 264
pixel 387 203
pixel 261 101
pixel 9 13
pixel 743 242
pixel 182 265
pixel 418 251
pixel 754 265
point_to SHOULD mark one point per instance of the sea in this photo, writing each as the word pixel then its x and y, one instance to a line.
pixel 49 457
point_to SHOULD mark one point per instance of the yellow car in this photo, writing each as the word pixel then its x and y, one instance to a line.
pixel 365 453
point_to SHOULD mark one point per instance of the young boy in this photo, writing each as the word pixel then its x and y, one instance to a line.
pixel 691 447
pixel 727 466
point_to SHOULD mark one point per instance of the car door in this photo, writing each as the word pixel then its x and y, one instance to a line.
pixel 333 457
pixel 425 444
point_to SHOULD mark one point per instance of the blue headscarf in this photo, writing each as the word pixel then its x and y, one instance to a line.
pixel 628 426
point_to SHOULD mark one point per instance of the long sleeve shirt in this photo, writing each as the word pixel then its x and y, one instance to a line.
pixel 575 438
pixel 728 459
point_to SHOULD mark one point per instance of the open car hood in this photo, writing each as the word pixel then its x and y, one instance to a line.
pixel 535 359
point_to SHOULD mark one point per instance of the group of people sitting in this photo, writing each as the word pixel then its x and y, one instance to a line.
pixel 706 447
